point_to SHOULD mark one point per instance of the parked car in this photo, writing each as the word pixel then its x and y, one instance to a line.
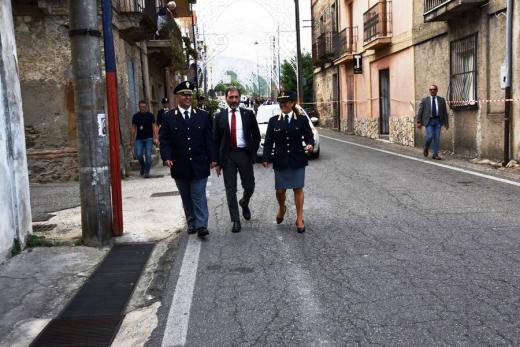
pixel 265 112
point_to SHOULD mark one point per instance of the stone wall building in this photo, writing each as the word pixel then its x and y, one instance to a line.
pixel 460 46
pixel 143 58
pixel 15 208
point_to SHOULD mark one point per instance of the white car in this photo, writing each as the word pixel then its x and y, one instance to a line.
pixel 265 112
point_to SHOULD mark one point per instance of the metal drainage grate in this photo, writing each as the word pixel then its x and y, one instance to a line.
pixel 161 195
pixel 38 228
pixel 93 316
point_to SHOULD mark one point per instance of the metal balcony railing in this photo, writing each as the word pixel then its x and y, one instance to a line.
pixel 129 6
pixel 377 21
pixel 430 5
pixel 325 47
pixel 345 41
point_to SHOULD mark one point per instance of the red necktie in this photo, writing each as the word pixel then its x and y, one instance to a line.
pixel 233 142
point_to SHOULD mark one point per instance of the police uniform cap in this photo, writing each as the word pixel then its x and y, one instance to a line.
pixel 164 101
pixel 185 88
pixel 286 96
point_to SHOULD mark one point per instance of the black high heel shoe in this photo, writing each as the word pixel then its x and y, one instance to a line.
pixel 280 220
pixel 300 230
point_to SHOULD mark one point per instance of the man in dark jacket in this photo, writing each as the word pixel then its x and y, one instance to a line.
pixel 188 149
pixel 433 114
pixel 238 137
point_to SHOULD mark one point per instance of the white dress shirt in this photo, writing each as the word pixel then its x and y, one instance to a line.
pixel 290 114
pixel 241 140
pixel 183 112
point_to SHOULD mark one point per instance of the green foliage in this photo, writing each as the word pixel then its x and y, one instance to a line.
pixel 17 248
pixel 221 86
pixel 179 63
pixel 288 76
pixel 189 49
pixel 38 241
pixel 232 74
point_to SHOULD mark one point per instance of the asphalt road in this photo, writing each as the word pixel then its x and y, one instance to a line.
pixel 397 252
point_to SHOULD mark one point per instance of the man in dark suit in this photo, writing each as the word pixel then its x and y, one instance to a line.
pixel 238 137
pixel 433 114
pixel 188 149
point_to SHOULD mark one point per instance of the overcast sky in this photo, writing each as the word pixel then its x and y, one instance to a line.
pixel 231 28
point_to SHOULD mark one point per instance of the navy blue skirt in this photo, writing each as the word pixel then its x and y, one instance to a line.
pixel 289 178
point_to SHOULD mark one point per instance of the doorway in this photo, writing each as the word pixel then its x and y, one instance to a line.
pixel 350 104
pixel 384 102
pixel 335 102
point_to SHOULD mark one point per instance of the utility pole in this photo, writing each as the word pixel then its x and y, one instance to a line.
pixel 298 53
pixel 195 50
pixel 113 119
pixel 96 217
pixel 508 84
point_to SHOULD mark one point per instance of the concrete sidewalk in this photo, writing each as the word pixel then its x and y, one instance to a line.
pixel 37 284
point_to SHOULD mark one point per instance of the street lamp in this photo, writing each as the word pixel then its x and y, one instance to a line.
pixel 299 79
pixel 257 69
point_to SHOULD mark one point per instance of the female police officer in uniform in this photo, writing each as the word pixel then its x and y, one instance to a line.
pixel 287 132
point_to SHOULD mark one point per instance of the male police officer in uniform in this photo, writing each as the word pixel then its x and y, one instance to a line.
pixel 188 149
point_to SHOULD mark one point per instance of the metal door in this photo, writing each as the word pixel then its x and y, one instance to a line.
pixel 384 102
pixel 350 104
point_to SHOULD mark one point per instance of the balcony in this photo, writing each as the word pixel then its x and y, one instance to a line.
pixel 443 10
pixel 345 45
pixel 377 25
pixel 323 48
pixel 135 19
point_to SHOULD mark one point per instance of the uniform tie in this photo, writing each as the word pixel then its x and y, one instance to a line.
pixel 233 140
pixel 287 119
pixel 186 115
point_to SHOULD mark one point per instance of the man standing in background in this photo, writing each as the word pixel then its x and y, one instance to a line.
pixel 144 133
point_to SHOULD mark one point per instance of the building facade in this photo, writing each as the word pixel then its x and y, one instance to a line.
pixel 15 208
pixel 144 71
pixel 374 60
pixel 460 46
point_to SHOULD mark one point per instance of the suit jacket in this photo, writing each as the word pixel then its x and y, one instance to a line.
pixel 188 143
pixel 425 111
pixel 222 134
pixel 289 151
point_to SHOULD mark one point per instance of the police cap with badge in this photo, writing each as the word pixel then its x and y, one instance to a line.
pixel 286 96
pixel 184 88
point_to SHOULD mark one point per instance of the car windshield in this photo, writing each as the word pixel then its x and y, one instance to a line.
pixel 265 113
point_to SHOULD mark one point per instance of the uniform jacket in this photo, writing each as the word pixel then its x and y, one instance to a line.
pixel 288 141
pixel 188 143
pixel 222 133
pixel 425 111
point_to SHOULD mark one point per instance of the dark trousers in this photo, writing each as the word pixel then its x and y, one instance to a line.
pixel 238 162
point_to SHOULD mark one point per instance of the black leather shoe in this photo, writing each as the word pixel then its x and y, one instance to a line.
pixel 191 230
pixel 236 227
pixel 436 157
pixel 280 220
pixel 300 230
pixel 246 212
pixel 202 232
pixel 425 152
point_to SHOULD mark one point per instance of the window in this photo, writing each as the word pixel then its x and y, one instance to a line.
pixel 463 71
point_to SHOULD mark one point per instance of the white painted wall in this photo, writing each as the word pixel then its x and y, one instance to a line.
pixel 15 208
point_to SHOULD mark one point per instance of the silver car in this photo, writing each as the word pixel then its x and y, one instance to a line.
pixel 265 112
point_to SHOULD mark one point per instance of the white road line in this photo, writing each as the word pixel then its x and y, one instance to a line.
pixel 493 178
pixel 179 316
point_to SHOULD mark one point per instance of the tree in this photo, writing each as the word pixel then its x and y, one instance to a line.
pixel 288 76
pixel 221 86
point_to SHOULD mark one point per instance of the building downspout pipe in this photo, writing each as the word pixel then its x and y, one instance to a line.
pixel 509 77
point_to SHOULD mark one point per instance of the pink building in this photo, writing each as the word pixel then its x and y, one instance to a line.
pixel 364 59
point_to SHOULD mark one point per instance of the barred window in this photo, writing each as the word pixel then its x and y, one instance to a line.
pixel 463 71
